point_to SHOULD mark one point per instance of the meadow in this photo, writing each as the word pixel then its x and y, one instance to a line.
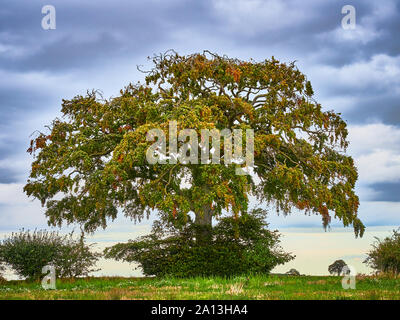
pixel 258 287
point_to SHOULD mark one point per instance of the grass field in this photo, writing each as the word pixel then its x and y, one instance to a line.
pixel 257 287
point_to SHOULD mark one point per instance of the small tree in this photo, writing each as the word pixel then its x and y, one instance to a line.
pixel 385 254
pixel 337 267
pixel 27 253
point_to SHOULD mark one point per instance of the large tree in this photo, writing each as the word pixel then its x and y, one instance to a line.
pixel 92 161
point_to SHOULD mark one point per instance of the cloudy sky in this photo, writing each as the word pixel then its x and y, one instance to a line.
pixel 98 44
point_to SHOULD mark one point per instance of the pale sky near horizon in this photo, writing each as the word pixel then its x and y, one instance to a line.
pixel 97 45
pixel 314 248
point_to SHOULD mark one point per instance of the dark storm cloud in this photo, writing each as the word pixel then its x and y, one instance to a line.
pixel 347 52
pixel 91 34
pixel 305 29
pixel 388 42
pixel 386 191
pixel 11 146
pixel 16 101
pixel 66 53
pixel 299 35
pixel 384 108
pixel 7 176
pixel 370 18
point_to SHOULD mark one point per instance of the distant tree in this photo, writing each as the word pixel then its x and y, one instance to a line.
pixel 92 161
pixel 337 267
pixel 385 254
pixel 293 272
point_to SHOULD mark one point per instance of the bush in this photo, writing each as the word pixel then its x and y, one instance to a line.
pixel 385 254
pixel 237 246
pixel 27 253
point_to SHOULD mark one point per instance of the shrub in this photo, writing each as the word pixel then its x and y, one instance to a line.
pixel 27 253
pixel 385 254
pixel 237 246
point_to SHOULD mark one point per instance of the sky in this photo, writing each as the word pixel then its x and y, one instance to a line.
pixel 98 45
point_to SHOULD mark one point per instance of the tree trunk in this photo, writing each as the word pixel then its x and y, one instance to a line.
pixel 203 222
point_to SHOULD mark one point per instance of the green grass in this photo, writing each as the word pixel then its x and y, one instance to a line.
pixel 255 287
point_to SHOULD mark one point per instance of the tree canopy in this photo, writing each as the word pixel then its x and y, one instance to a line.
pixel 92 160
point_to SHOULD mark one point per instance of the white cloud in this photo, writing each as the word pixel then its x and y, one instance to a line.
pixel 13 50
pixel 379 166
pixel 372 137
pixel 381 72
pixel 376 148
pixel 12 194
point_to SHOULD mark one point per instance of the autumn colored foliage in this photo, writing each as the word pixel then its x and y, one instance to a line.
pixel 94 156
